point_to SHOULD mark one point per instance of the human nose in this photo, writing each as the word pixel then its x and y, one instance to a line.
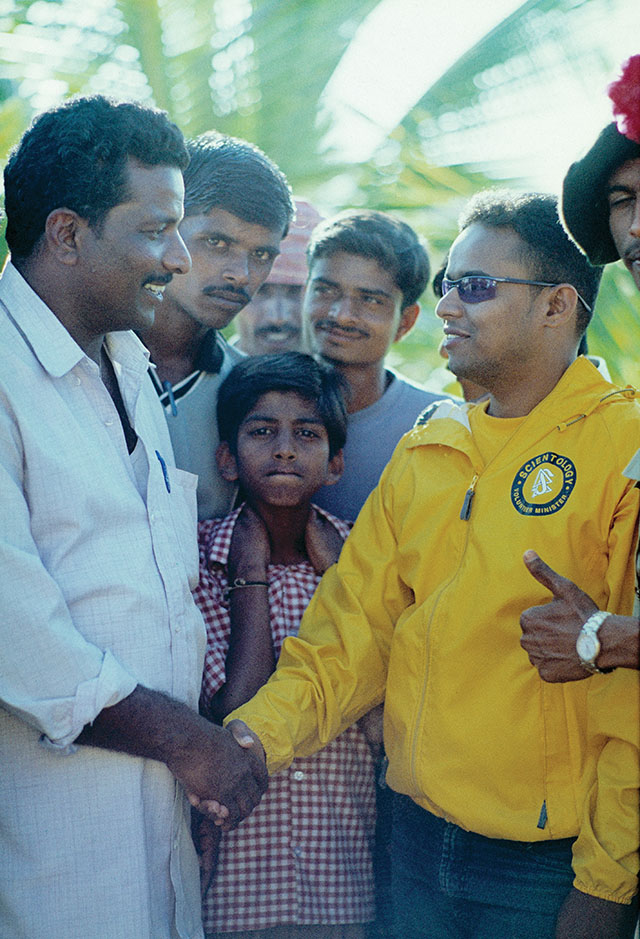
pixel 342 308
pixel 177 258
pixel 449 305
pixel 236 268
pixel 285 448
pixel 283 309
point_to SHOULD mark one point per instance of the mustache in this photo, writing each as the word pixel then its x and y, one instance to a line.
pixel 286 328
pixel 230 293
pixel 332 326
pixel 165 278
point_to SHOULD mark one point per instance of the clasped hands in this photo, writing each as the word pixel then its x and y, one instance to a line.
pixel 226 786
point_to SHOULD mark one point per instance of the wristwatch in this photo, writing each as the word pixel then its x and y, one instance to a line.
pixel 588 644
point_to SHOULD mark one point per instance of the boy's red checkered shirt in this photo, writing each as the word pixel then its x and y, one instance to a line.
pixel 304 854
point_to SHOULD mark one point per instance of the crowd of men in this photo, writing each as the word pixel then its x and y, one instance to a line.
pixel 478 628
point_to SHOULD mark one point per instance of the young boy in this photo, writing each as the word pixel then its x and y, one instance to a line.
pixel 300 865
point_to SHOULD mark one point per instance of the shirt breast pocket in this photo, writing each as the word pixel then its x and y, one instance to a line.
pixel 184 513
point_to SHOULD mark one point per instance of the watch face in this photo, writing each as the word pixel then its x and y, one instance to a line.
pixel 587 647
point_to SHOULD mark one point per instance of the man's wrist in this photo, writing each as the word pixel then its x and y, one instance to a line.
pixel 619 642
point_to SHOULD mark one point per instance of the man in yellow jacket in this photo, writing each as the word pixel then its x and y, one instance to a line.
pixel 518 809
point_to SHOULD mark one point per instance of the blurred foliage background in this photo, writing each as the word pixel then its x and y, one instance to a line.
pixel 305 81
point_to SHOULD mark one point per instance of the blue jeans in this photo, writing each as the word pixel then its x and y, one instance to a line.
pixel 453 884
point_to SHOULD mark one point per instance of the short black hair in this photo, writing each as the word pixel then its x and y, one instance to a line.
pixel 438 277
pixel 385 239
pixel 76 156
pixel 297 372
pixel 548 253
pixel 236 176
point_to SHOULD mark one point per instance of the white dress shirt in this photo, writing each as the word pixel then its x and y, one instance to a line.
pixel 98 552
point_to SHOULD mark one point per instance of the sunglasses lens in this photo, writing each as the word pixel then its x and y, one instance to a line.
pixel 476 289
pixel 471 289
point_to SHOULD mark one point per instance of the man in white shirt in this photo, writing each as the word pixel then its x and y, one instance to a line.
pixel 101 648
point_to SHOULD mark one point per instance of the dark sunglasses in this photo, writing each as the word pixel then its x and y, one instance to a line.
pixel 475 288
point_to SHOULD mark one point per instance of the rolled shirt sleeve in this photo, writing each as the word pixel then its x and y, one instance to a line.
pixel 51 676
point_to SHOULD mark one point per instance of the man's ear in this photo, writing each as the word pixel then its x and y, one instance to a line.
pixel 227 465
pixel 62 230
pixel 563 302
pixel 407 319
pixel 335 468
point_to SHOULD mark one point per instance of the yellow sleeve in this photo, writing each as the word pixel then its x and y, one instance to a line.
pixel 335 670
pixel 605 855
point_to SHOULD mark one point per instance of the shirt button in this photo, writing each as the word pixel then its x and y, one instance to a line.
pixel 297 851
pixel 298 775
pixel 108 423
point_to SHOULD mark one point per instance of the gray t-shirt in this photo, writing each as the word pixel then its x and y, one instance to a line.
pixel 190 409
pixel 372 435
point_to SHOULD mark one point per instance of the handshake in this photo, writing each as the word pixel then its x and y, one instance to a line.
pixel 226 780
pixel 223 770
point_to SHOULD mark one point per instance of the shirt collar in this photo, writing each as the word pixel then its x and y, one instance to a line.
pixel 210 354
pixel 52 344
pixel 220 533
pixel 219 537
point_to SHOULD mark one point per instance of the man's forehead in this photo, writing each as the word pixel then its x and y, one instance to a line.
pixel 156 191
pixel 354 270
pixel 626 176
pixel 481 248
pixel 279 290
pixel 221 221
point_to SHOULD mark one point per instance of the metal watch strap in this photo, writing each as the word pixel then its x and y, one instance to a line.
pixel 591 626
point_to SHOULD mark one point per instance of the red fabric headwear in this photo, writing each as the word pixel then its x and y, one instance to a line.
pixel 625 94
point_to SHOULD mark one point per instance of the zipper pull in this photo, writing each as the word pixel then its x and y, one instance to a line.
pixel 465 511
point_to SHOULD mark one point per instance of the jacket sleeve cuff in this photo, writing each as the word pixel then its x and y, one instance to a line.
pixel 624 898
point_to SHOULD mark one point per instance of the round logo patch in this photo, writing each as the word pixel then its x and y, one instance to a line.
pixel 543 484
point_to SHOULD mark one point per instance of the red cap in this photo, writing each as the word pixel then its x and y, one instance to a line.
pixel 625 95
pixel 290 267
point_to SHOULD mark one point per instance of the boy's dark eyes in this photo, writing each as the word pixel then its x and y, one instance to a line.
pixel 269 431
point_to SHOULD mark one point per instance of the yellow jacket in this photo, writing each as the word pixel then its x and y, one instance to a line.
pixel 423 610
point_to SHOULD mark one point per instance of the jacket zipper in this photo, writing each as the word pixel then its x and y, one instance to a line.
pixel 465 511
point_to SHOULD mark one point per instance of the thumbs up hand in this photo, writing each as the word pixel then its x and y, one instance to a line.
pixel 549 632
